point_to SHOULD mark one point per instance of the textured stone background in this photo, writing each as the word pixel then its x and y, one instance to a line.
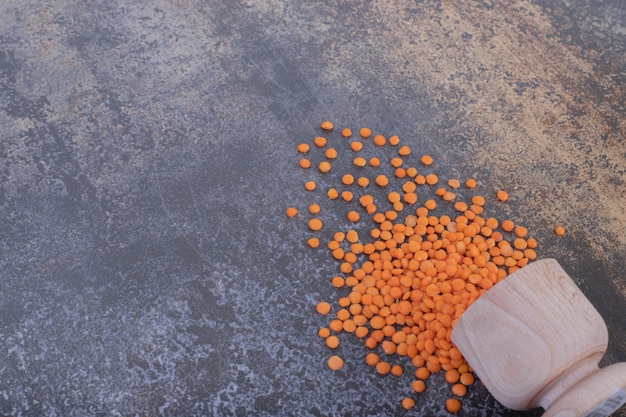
pixel 147 154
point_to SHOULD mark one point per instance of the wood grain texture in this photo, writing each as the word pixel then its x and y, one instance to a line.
pixel 534 336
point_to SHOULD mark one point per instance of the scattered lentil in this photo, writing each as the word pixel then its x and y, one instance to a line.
pixel 313 242
pixel 380 140
pixel 453 405
pixel 409 286
pixel 315 224
pixel 359 162
pixel 365 132
pixel 408 403
pixel 427 160
pixel 356 146
pixel 320 141
pixel 502 195
pixel 326 125
pixel 331 153
pixel 335 362
pixel 323 307
pixel 324 166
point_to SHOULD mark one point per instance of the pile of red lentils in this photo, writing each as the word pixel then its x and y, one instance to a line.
pixel 424 261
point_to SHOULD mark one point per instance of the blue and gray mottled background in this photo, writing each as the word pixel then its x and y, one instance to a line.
pixel 147 155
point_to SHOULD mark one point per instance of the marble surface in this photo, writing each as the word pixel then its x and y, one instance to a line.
pixel 147 155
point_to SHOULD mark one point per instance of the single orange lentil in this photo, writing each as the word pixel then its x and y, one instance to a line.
pixel 320 141
pixel 453 405
pixel 374 162
pixel 344 301
pixel 343 314
pixel 452 376
pixel 383 367
pixel 336 325
pixel 305 163
pixel 372 359
pixel 292 212
pixel 430 204
pixel 507 225
pixel 521 231
pixel 352 236
pixel 347 179
pixel 410 198
pixel 393 197
pixel 356 146
pixel 520 243
pixel 408 403
pixel 313 242
pixel 377 322
pixel 363 182
pixel 422 373
pixel 400 172
pixel 346 132
pixel 303 147
pixel 332 193
pixel 396 370
pixel 380 140
pixel 396 162
pixel 324 166
pixel 310 185
pixel 315 224
pixel 502 195
pixel 530 254
pixel 366 199
pixel 470 183
pixel 454 183
pixel 324 332
pixel 467 378
pixel 359 162
pixel 354 216
pixel 335 362
pixel 382 180
pixel 394 140
pixel 559 230
pixel 339 253
pixel 327 125
pixel 347 196
pixel 460 206
pixel 314 208
pixel 427 160
pixel 418 385
pixel 365 132
pixel 338 281
pixel 409 187
pixel 331 153
pixel 332 342
pixel 323 307
pixel 459 390
pixel 404 151
pixel 449 196
pixel 491 223
pixel 432 179
pixel 479 200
